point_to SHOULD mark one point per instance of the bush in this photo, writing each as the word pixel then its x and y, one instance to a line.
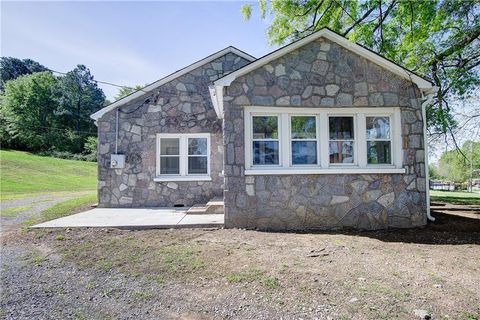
pixel 69 156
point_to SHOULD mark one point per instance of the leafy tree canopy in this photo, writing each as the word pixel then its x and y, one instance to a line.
pixel 79 98
pixel 438 39
pixel 26 111
pixel 125 91
pixel 12 68
pixel 455 165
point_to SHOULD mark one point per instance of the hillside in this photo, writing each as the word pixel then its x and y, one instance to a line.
pixel 23 173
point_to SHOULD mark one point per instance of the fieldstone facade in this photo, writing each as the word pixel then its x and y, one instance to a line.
pixel 180 106
pixel 323 74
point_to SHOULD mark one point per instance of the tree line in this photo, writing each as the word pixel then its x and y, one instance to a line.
pixel 46 113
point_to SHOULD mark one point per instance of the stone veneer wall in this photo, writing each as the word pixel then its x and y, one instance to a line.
pixel 180 106
pixel 323 74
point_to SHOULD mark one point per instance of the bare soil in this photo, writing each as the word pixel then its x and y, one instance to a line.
pixel 240 274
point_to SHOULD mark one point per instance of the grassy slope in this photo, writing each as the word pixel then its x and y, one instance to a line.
pixel 455 197
pixel 23 173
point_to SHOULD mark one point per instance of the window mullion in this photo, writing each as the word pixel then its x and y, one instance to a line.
pixel 183 155
pixel 323 147
pixel 284 137
pixel 361 137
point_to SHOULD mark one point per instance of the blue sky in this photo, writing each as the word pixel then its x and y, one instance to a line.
pixel 126 43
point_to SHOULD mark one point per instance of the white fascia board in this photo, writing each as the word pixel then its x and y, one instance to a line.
pixel 137 94
pixel 332 36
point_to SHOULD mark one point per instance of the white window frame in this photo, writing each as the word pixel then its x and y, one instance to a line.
pixel 324 166
pixel 183 165
pixel 355 140
pixel 280 126
pixel 390 119
pixel 317 140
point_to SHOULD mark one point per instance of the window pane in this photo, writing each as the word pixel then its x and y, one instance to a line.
pixel 378 128
pixel 341 151
pixel 169 165
pixel 197 146
pixel 265 127
pixel 303 128
pixel 341 128
pixel 197 165
pixel 169 146
pixel 378 152
pixel 304 152
pixel 265 152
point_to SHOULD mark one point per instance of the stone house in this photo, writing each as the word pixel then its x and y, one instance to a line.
pixel 319 134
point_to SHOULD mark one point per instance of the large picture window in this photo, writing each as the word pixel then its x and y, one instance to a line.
pixel 183 157
pixel 282 140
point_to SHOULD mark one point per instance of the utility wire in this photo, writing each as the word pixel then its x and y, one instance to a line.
pixel 103 82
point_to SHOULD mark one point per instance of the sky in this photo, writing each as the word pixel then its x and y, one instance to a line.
pixel 127 43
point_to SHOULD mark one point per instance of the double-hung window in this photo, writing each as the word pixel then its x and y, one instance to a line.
pixel 304 140
pixel 283 140
pixel 183 157
pixel 341 139
pixel 265 140
pixel 379 143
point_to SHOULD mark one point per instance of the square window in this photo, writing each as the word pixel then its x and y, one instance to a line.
pixel 170 165
pixel 379 152
pixel 303 127
pixel 197 146
pixel 265 152
pixel 378 128
pixel 341 128
pixel 304 152
pixel 341 151
pixel 265 127
pixel 197 165
pixel 169 146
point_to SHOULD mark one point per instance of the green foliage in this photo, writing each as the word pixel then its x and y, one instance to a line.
pixel 12 68
pixel 79 98
pixel 125 91
pixel 43 113
pixel 439 39
pixel 455 166
pixel 26 111
pixel 24 174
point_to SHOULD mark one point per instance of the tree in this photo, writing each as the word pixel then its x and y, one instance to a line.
pixel 453 166
pixel 125 91
pixel 27 111
pixel 79 98
pixel 12 68
pixel 439 39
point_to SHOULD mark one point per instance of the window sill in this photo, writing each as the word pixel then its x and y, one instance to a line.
pixel 341 170
pixel 182 178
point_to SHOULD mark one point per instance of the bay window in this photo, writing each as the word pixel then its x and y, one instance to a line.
pixel 283 140
pixel 183 157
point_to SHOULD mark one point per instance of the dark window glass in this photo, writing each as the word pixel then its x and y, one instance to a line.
pixel 265 152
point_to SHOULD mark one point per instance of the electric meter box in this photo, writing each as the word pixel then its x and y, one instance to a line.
pixel 117 161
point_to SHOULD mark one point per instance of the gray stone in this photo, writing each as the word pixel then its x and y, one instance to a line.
pixel 279 70
pixel 387 199
pixel 332 89
pixel 344 99
pixel 339 199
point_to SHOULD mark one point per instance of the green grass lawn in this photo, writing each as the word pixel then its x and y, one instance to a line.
pixel 24 174
pixel 455 197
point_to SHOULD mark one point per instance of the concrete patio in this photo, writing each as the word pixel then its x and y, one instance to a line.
pixel 139 218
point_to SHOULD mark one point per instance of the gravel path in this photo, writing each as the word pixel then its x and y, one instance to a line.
pixel 33 206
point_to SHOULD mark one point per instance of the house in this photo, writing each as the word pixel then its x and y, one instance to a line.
pixel 319 134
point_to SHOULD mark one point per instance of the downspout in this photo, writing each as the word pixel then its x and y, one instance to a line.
pixel 116 132
pixel 427 101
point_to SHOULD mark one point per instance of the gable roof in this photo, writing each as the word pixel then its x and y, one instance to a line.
pixel 217 92
pixel 147 89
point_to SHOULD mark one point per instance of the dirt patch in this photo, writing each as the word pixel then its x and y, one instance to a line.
pixel 203 274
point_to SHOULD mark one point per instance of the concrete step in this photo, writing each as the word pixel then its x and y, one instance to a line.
pixel 214 206
pixel 197 209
